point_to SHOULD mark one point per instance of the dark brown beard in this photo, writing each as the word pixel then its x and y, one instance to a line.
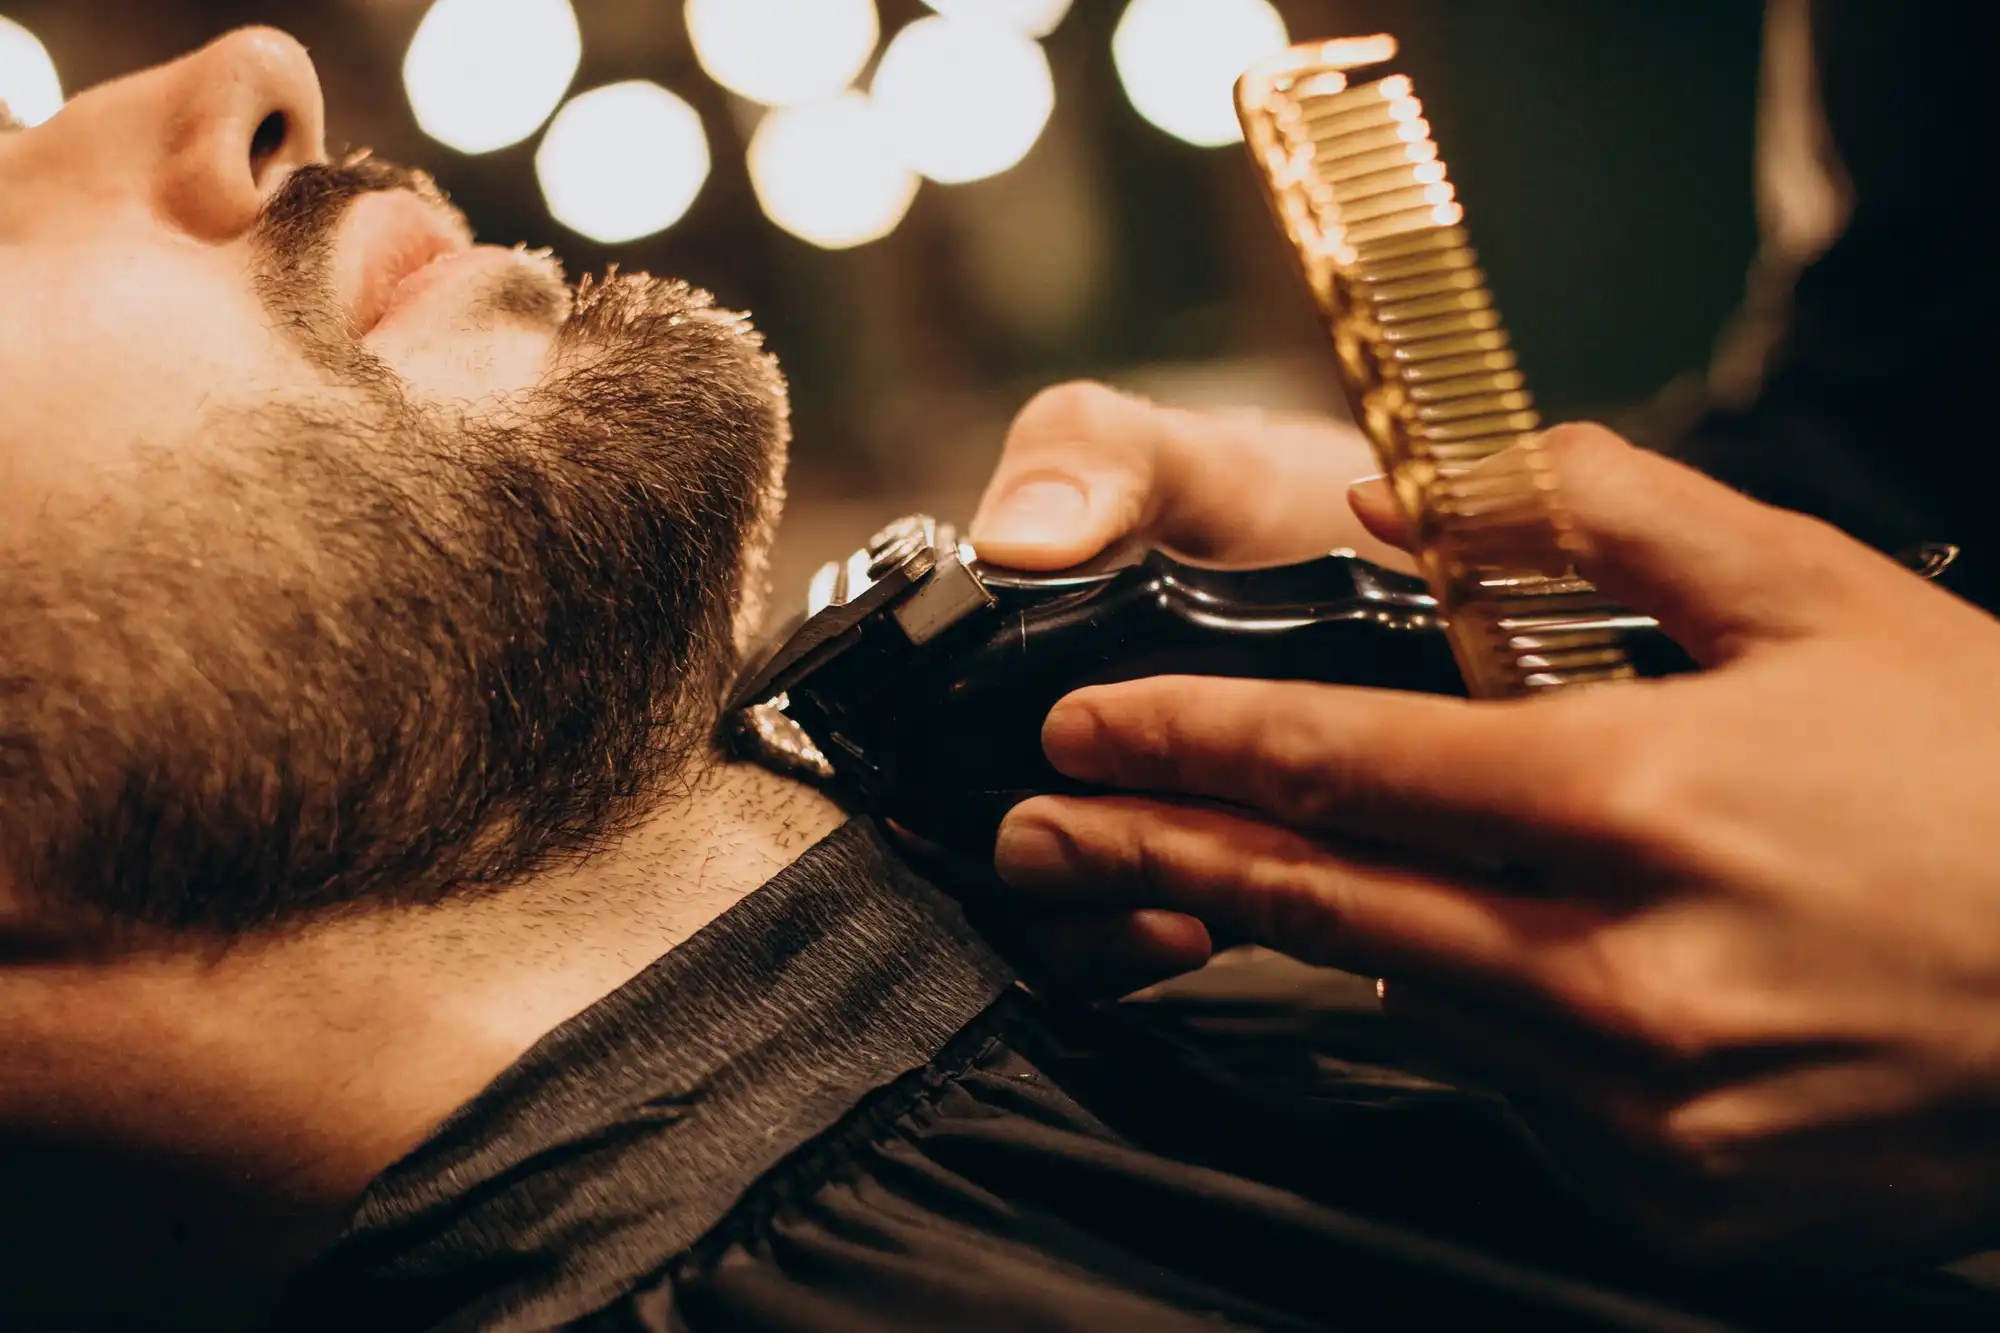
pixel 354 652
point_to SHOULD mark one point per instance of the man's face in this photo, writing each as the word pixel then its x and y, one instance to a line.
pixel 129 259
pixel 340 560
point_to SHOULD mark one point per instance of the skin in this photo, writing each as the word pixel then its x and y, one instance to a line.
pixel 1731 940
pixel 154 1099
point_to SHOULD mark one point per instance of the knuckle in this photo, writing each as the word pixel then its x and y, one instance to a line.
pixel 1709 1137
pixel 1138 862
pixel 1272 886
pixel 1640 1126
pixel 1582 752
pixel 1074 409
pixel 1186 734
pixel 1653 989
pixel 1299 768
pixel 1299 787
pixel 1578 451
pixel 1681 1142
pixel 1628 801
pixel 1308 921
pixel 1097 842
pixel 1143 736
pixel 1634 792
pixel 1164 852
pixel 1825 568
pixel 1593 470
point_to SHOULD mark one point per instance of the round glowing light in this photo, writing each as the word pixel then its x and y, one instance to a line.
pixel 1037 18
pixel 827 172
pixel 623 161
pixel 28 82
pixel 780 52
pixel 1179 61
pixel 484 74
pixel 964 98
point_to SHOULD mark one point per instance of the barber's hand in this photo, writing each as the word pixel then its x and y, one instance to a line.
pixel 1731 940
pixel 1086 467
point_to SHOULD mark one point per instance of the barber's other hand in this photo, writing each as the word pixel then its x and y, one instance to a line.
pixel 1731 940
pixel 1086 467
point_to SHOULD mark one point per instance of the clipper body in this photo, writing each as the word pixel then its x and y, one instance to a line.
pixel 916 686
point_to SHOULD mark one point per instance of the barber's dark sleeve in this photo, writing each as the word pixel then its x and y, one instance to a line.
pixel 1879 404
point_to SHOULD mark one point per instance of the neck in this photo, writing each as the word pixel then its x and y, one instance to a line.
pixel 200 1122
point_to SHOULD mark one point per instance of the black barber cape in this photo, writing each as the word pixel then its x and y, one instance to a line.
pixel 835 1109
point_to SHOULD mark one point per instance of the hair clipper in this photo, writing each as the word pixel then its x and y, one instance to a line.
pixel 915 683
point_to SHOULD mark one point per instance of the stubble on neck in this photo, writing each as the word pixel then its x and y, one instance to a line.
pixel 289 1068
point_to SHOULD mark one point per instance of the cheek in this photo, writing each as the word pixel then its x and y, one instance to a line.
pixel 105 350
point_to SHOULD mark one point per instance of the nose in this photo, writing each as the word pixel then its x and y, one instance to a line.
pixel 239 115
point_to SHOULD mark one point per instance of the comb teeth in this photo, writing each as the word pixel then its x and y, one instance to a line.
pixel 1358 187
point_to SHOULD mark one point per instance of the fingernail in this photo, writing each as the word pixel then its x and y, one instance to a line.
pixel 1047 512
pixel 1169 935
pixel 1374 501
pixel 1030 852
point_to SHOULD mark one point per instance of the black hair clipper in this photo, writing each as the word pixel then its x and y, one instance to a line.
pixel 915 684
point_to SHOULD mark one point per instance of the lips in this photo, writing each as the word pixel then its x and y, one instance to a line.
pixel 388 240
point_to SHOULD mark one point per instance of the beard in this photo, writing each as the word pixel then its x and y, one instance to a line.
pixel 352 651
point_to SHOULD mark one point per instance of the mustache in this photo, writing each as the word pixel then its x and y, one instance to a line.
pixel 293 245
pixel 297 224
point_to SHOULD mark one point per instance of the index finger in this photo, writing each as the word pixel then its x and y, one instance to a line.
pixel 1483 779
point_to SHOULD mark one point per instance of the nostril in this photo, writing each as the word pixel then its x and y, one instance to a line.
pixel 265 144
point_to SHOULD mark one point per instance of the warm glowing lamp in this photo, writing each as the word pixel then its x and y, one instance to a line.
pixel 1037 18
pixel 28 82
pixel 623 161
pixel 484 74
pixel 964 98
pixel 1179 61
pixel 827 172
pixel 782 52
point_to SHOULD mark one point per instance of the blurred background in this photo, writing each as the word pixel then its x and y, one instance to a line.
pixel 934 209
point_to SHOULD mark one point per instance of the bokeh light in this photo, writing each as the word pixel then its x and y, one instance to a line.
pixel 1179 61
pixel 484 74
pixel 28 82
pixel 964 98
pixel 623 161
pixel 1037 18
pixel 827 172
pixel 781 52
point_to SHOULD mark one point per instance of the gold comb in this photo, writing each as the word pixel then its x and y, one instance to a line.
pixel 1361 193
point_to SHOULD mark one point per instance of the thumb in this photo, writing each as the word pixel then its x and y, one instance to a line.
pixel 1085 467
pixel 1719 570
pixel 1074 477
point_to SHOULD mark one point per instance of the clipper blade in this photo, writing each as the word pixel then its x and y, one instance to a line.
pixel 1359 189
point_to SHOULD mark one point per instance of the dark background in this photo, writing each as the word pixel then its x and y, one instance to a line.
pixel 1602 149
